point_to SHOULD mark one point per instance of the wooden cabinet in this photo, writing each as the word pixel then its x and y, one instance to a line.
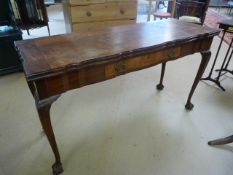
pixel 83 15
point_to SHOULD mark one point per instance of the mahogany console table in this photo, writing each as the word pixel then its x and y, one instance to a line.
pixel 54 65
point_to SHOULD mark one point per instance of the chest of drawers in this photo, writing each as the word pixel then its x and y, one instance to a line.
pixel 83 15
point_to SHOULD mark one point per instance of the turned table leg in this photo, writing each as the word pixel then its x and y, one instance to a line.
pixel 221 141
pixel 44 115
pixel 160 85
pixel 204 61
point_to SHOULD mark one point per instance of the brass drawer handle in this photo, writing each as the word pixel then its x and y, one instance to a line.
pixel 171 53
pixel 120 67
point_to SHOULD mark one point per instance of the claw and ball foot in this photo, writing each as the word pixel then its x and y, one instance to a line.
pixel 57 168
pixel 160 86
pixel 189 106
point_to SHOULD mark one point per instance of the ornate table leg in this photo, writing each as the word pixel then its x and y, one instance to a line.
pixel 43 108
pixel 204 61
pixel 221 141
pixel 160 85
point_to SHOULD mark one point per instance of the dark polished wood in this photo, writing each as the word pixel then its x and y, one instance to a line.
pixel 204 61
pixel 60 63
pixel 221 141
pixel 30 14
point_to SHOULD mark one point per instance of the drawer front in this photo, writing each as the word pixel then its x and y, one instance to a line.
pixel 103 12
pixel 78 27
pixel 140 62
pixel 87 2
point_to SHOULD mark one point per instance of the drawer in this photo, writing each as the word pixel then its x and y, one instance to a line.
pixel 103 12
pixel 87 2
pixel 78 27
pixel 140 62
pixel 172 53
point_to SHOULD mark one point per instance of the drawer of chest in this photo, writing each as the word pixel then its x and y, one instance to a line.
pixel 103 12
pixel 86 2
pixel 78 27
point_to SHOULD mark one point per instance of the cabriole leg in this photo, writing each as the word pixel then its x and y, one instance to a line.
pixel 44 115
pixel 204 61
pixel 160 85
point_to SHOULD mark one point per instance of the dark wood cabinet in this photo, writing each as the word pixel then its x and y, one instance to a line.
pixel 9 59
pixel 30 14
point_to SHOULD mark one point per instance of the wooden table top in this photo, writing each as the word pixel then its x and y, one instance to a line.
pixel 49 55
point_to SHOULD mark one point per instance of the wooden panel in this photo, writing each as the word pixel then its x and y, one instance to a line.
pixel 78 27
pixel 102 12
pixel 87 2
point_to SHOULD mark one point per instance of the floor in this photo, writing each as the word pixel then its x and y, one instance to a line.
pixel 122 126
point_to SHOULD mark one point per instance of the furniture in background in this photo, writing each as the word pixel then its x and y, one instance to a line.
pixel 30 14
pixel 218 3
pixel 51 2
pixel 162 14
pixel 191 11
pixel 6 15
pixel 230 6
pixel 83 15
pixel 9 60
pixel 227 26
pixel 178 8
pixel 79 60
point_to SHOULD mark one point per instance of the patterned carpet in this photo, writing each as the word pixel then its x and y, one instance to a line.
pixel 212 20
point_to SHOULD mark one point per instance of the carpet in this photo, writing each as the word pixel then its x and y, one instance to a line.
pixel 212 20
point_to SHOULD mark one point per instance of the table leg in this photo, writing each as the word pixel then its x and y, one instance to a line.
pixel 225 69
pixel 224 61
pixel 204 61
pixel 44 115
pixel 160 85
pixel 213 65
pixel 221 141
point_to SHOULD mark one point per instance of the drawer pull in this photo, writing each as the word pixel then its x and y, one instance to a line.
pixel 122 11
pixel 120 67
pixel 88 13
pixel 171 53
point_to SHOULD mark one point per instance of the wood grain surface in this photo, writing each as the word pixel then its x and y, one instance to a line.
pixel 56 53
